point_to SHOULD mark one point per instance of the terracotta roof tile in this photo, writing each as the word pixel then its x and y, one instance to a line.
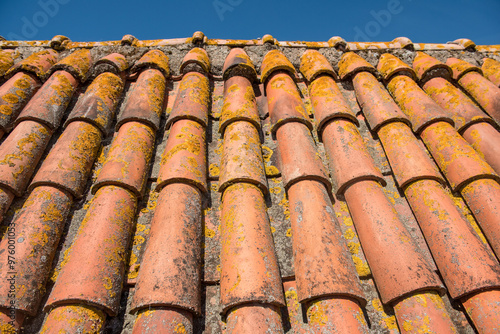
pixel 483 309
pixel 116 60
pixel 478 269
pixel 483 198
pixel 209 209
pixel 414 313
pixel 6 61
pixel 369 205
pixel 455 157
pixel 74 318
pixel 164 319
pixel 249 267
pixel 170 274
pixel 485 92
pixel 239 63
pixel 351 64
pixel 69 163
pixel 484 138
pixel 153 59
pixel 428 67
pixel 378 106
pixel 49 104
pixel 240 103
pixel 254 318
pixel 181 183
pixel 127 161
pixel 322 263
pixel 14 95
pixel 326 98
pixel 37 64
pixel 242 157
pixel 184 158
pixel 491 70
pixel 96 278
pixel 195 87
pixel 407 157
pixel 349 159
pixel 77 64
pixel 390 65
pixel 463 111
pixel 20 153
pixel 98 105
pixel 39 225
pixel 313 64
pixel 274 61
pixel 198 57
pixel 418 106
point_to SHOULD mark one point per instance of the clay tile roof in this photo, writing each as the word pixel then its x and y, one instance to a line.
pixel 200 185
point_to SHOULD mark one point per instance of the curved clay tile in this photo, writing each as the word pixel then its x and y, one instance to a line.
pixel 241 159
pixel 95 277
pixel 6 61
pixel 239 63
pixel 197 56
pixel 78 64
pixel 491 70
pixel 408 160
pixel 251 291
pixel 98 105
pixel 39 224
pixel 427 67
pixel 145 102
pixel 326 273
pixel 350 64
pixel 485 92
pixel 326 98
pixel 240 103
pixel 377 105
pixel 195 92
pixel 38 64
pixel 170 275
pixel 275 61
pixel 51 101
pixel 463 111
pixel 313 64
pixel 418 106
pixel 154 59
pixel 74 319
pixel 69 162
pixel 14 95
pixel 350 161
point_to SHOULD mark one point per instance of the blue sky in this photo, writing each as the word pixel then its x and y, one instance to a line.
pixel 431 21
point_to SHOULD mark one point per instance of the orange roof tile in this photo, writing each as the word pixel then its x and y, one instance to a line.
pixel 247 186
